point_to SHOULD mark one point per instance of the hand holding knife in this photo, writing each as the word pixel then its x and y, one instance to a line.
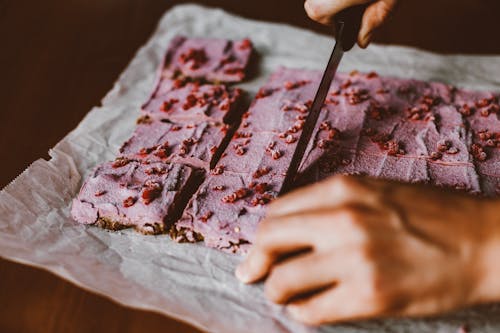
pixel 347 25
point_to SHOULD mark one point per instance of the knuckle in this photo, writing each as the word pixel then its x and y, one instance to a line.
pixel 263 230
pixel 375 293
pixel 313 10
pixel 309 314
pixel 345 184
pixel 277 285
pixel 352 218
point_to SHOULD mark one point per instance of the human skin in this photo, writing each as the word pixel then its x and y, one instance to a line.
pixel 369 248
pixel 375 14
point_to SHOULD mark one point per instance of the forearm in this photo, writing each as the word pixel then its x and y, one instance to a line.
pixel 488 289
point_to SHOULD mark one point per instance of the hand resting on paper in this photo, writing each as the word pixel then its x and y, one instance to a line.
pixel 368 248
pixel 375 15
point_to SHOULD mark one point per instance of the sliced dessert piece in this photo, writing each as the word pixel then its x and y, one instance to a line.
pixel 128 194
pixel 224 212
pixel 197 144
pixel 216 60
pixel 395 128
pixel 197 102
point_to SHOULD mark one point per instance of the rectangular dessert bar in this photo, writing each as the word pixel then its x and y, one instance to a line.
pixel 224 212
pixel 210 59
pixel 129 194
pixel 403 130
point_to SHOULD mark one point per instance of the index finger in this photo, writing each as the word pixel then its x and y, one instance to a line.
pixel 333 192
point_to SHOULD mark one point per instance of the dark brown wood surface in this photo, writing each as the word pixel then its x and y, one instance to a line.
pixel 59 57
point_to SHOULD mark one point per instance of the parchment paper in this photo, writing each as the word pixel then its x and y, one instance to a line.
pixel 187 281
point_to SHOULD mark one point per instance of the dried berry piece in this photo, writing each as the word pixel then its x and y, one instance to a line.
pixel 130 201
pixel 240 150
pixel 466 110
pixel 333 133
pixel 393 148
pixel 167 105
pixel 261 188
pixel 290 139
pixel 483 102
pixel 151 191
pixel 261 172
pixel 219 188
pixel 245 44
pixel 377 112
pixel 240 72
pixel 239 135
pixel 294 85
pixel 218 170
pixel 145 120
pixel 262 200
pixel 120 162
pixel 157 170
pixel 100 193
pixel 357 96
pixel 443 146
pixel 325 126
pixel 197 57
pixel 346 84
pixel 478 152
pixel 204 218
pixel 323 144
pixel 435 155
pixel 237 195
pixel 276 154
pixel 162 151
pixel 191 101
pixel 230 198
pixel 262 93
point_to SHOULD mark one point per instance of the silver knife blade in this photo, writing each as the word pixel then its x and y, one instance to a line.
pixel 317 105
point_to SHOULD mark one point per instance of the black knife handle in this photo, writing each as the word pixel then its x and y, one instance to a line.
pixel 351 18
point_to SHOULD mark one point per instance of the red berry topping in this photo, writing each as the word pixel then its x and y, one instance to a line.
pixel 120 162
pixel 130 201
pixel 151 191
pixel 261 172
pixel 197 57
pixel 204 218
pixel 218 170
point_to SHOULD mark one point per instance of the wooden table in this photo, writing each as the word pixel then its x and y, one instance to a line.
pixel 59 57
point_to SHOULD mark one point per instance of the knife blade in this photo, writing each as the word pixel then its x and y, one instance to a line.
pixel 347 24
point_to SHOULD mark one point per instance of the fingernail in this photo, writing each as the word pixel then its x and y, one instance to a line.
pixel 365 40
pixel 242 273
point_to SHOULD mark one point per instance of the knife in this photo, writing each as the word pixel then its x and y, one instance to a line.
pixel 347 25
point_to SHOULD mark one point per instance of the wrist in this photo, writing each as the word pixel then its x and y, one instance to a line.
pixel 488 254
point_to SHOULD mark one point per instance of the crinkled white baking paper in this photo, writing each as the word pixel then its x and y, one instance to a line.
pixel 187 281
